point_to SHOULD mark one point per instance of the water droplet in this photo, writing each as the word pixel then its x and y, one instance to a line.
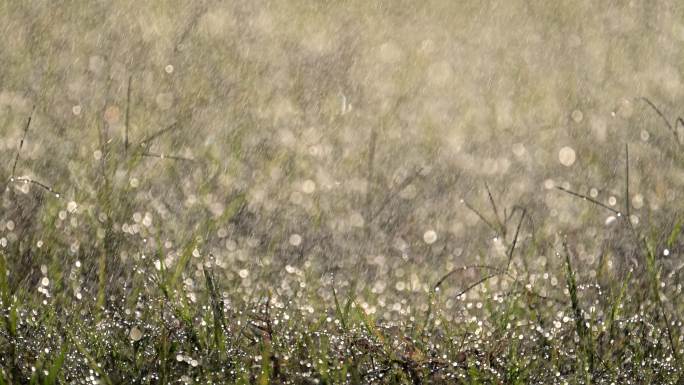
pixel 295 239
pixel 135 334
pixel 577 116
pixel 309 186
pixel 168 69
pixel 567 156
pixel 549 183
pixel 518 149
pixel 430 237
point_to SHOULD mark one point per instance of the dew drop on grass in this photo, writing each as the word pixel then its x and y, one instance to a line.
pixel 612 201
pixel 243 273
pixel 168 69
pixel 45 281
pixel 135 334
pixel 76 110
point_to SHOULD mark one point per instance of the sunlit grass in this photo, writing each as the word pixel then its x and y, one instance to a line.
pixel 174 312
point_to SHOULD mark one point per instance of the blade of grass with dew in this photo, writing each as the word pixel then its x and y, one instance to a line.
pixel 654 275
pixel 580 327
pixel 338 310
pixel 217 312
pixel 89 360
pixel 56 366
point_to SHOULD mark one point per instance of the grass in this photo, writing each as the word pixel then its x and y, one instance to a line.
pixel 514 336
pixel 180 312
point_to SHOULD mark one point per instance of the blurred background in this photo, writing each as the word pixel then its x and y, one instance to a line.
pixel 337 137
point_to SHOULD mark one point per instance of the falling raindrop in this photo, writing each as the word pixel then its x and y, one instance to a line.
pixel 577 116
pixel 430 237
pixel 309 186
pixel 295 239
pixel 566 156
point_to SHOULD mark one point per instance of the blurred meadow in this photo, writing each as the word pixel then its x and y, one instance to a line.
pixel 341 192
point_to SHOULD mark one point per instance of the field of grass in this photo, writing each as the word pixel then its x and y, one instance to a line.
pixel 121 304
pixel 361 192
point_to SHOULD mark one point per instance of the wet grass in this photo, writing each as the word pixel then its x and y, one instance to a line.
pixel 160 330
pixel 188 323
pixel 127 305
